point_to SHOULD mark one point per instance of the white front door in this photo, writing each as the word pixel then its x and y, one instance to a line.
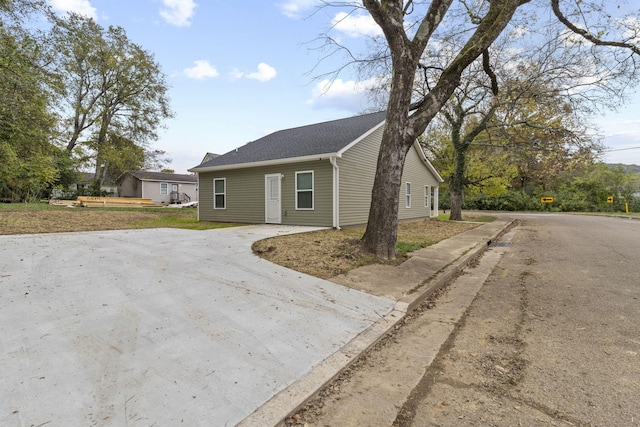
pixel 272 205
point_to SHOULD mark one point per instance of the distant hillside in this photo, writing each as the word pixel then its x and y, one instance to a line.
pixel 632 168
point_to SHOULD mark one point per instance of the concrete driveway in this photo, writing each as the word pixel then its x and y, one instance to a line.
pixel 160 327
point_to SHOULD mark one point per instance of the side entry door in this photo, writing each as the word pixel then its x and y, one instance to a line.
pixel 273 207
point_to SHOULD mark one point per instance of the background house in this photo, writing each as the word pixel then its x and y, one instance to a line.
pixel 163 188
pixel 320 175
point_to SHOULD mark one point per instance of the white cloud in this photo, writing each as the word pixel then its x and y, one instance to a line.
pixel 178 12
pixel 201 70
pixel 295 8
pixel 356 25
pixel 81 7
pixel 346 95
pixel 264 73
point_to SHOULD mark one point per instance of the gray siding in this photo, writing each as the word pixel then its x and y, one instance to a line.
pixel 415 172
pixel 245 195
pixel 130 186
pixel 357 172
pixel 151 190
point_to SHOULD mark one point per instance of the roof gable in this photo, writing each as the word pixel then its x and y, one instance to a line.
pixel 426 162
pixel 316 139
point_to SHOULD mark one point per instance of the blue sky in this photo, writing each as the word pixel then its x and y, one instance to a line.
pixel 240 70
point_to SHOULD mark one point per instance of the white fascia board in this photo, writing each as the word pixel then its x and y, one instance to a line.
pixel 310 158
pixel 170 181
pixel 360 138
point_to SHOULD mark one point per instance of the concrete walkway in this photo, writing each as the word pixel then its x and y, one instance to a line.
pixel 167 327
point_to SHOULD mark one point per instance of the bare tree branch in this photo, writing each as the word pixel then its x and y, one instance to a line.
pixel 486 66
pixel 586 34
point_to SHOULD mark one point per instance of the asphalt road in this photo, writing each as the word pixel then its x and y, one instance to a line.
pixel 552 338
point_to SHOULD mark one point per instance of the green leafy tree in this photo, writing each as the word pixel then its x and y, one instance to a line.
pixel 590 187
pixel 489 168
pixel 27 167
pixel 114 87
pixel 118 155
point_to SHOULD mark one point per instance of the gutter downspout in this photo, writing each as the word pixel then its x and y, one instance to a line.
pixel 336 192
pixel 198 194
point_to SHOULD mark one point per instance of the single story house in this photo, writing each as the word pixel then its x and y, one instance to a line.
pixel 161 187
pixel 319 175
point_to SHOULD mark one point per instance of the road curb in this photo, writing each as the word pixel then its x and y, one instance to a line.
pixel 452 270
pixel 633 218
pixel 295 396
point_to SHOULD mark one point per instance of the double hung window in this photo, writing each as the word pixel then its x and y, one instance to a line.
pixel 427 197
pixel 304 190
pixel 219 193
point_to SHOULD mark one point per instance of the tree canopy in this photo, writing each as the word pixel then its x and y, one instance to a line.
pixel 27 163
pixel 70 93
pixel 114 89
pixel 433 42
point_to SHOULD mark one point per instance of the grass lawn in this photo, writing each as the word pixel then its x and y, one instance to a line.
pixel 21 218
pixel 328 253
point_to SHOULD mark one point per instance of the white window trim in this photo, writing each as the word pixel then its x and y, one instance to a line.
pixel 166 188
pixel 313 191
pixel 427 196
pixel 407 189
pixel 218 194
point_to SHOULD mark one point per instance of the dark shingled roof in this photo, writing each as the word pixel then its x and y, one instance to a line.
pixel 320 138
pixel 162 176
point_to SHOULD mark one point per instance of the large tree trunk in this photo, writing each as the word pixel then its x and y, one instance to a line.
pixel 456 185
pixel 101 141
pixel 382 228
pixel 458 180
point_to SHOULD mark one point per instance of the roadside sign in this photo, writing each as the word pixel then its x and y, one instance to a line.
pixel 610 199
pixel 546 199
